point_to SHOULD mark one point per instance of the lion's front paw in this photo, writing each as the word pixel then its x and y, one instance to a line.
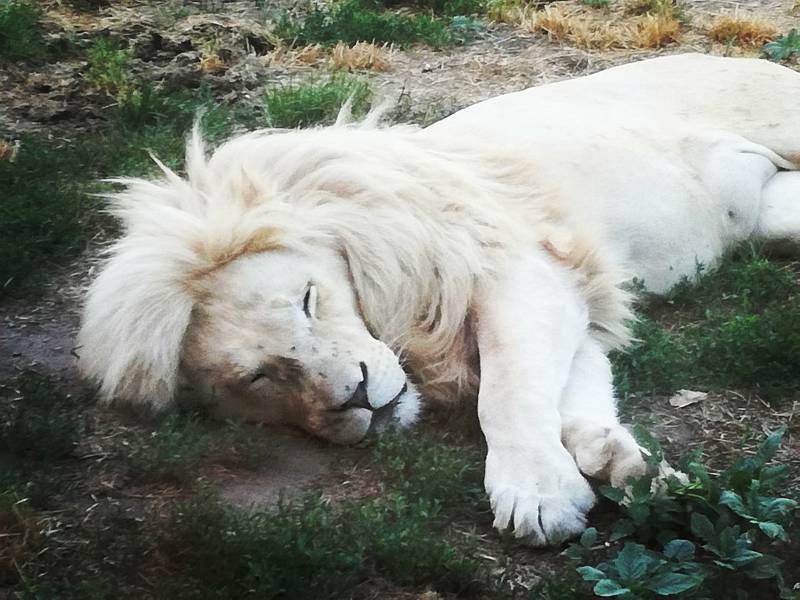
pixel 605 451
pixel 541 495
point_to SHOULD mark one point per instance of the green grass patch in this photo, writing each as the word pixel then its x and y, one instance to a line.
pixel 353 21
pixel 48 212
pixel 312 550
pixel 694 536
pixel 108 67
pixel 316 549
pixel 315 102
pixel 20 31
pixel 44 214
pixel 739 326
pixel 183 444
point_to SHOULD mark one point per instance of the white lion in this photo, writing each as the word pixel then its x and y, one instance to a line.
pixel 308 277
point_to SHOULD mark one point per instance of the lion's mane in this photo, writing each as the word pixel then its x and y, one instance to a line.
pixel 422 223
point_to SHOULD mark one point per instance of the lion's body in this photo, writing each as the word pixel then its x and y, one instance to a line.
pixel 654 154
pixel 290 275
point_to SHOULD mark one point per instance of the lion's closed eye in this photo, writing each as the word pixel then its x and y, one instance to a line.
pixel 277 369
pixel 258 377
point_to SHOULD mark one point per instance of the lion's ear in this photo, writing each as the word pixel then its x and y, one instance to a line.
pixel 250 190
pixel 135 317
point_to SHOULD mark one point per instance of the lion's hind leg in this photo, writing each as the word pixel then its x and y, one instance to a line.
pixel 590 430
pixel 779 218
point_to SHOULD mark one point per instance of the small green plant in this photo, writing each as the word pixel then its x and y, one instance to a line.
pixel 20 33
pixel 109 68
pixel 596 3
pixel 315 102
pixel 694 532
pixel 784 47
pixel 353 21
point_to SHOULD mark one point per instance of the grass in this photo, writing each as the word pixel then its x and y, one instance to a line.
pixel 20 534
pixel 109 68
pixel 743 331
pixel 447 8
pixel 315 102
pixel 44 214
pixel 48 213
pixel 39 422
pixel 317 549
pixel 652 29
pixel 362 56
pixel 20 31
pixel 314 548
pixel 596 3
pixel 183 444
pixel 741 30
pixel 352 21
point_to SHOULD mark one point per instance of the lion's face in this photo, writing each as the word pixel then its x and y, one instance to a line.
pixel 277 337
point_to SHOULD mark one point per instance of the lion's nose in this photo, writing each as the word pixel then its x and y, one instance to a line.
pixel 359 399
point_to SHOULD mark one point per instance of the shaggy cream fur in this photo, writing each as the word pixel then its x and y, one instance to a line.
pixel 325 278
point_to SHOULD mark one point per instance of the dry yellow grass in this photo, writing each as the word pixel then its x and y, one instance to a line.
pixel 664 8
pixel 655 31
pixel 741 30
pixel 360 57
pixel 588 31
pixel 286 56
pixel 212 63
pixel 571 27
pixel 8 150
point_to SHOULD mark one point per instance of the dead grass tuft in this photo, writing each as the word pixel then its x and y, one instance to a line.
pixel 288 56
pixel 655 31
pixel 362 56
pixel 584 31
pixel 574 28
pixel 741 30
pixel 8 150
pixel 212 63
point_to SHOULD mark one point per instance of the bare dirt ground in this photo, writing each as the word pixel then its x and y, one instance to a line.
pixel 168 41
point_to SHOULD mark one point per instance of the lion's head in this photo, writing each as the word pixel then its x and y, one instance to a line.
pixel 277 337
pixel 244 285
pixel 286 273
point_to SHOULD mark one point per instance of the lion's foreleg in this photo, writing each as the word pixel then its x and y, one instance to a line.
pixel 590 429
pixel 530 324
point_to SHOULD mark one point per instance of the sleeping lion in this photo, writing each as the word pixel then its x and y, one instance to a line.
pixel 332 278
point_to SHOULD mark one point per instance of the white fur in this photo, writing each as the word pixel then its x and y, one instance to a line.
pixel 490 245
